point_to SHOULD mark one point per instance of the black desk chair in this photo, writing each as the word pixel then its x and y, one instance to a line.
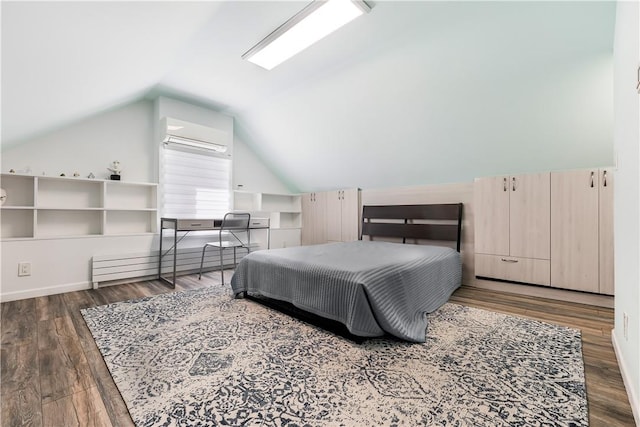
pixel 232 229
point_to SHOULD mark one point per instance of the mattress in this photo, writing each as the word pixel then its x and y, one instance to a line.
pixel 371 287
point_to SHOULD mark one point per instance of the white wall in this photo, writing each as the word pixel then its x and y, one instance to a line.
pixel 627 196
pixel 91 145
pixel 59 265
pixel 128 134
pixel 250 173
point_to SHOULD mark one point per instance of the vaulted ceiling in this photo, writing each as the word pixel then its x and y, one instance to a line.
pixel 414 92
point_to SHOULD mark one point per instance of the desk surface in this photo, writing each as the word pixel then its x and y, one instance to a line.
pixel 182 224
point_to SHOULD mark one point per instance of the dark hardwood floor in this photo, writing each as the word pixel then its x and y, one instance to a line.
pixel 54 375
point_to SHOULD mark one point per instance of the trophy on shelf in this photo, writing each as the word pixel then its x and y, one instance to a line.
pixel 115 170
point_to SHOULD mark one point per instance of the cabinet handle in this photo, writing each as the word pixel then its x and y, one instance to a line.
pixel 509 260
pixel 604 178
pixel 591 179
pixel 504 184
pixel 513 183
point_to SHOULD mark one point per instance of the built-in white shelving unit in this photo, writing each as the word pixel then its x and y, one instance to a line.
pixel 40 207
pixel 283 210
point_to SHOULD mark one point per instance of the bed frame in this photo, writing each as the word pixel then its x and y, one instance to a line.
pixel 441 222
pixel 447 223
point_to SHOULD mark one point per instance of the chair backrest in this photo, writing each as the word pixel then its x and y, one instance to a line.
pixel 235 221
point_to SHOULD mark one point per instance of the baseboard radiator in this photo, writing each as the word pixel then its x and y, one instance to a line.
pixel 121 268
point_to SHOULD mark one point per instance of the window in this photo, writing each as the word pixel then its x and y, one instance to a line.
pixel 194 184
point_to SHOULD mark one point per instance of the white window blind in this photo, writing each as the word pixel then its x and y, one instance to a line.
pixel 194 185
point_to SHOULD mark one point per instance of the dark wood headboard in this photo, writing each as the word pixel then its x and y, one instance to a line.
pixel 450 213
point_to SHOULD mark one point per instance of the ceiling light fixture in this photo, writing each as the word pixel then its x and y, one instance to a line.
pixel 317 20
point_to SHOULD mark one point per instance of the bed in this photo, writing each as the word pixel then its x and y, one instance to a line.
pixel 372 286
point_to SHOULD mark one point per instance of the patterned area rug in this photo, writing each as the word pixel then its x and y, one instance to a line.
pixel 201 358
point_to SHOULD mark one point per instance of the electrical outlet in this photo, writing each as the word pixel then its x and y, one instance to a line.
pixel 625 326
pixel 24 269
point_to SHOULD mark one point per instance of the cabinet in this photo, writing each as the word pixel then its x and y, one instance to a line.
pixel 54 207
pixel 283 210
pixel 512 228
pixel 553 229
pixel 342 215
pixel 314 218
pixel 582 230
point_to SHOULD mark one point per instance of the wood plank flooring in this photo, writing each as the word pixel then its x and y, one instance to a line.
pixel 54 375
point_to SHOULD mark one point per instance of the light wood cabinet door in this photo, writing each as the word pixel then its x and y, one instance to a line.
pixel 314 211
pixel 334 215
pixel 530 216
pixel 350 215
pixel 605 231
pixel 524 270
pixel 308 215
pixel 574 230
pixel 491 203
pixel 320 218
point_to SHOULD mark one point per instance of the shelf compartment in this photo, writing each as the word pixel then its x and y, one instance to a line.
pixel 281 202
pixel 130 196
pixel 67 223
pixel 130 222
pixel 286 219
pixel 243 201
pixel 69 194
pixel 19 190
pixel 16 223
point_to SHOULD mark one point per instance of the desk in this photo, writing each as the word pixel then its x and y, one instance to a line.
pixel 187 225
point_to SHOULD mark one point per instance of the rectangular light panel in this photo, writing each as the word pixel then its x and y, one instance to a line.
pixel 314 22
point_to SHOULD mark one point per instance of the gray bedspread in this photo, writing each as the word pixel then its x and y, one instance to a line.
pixel 371 287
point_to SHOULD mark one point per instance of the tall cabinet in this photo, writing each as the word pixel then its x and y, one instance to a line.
pixel 330 216
pixel 512 229
pixel 342 215
pixel 314 218
pixel 582 230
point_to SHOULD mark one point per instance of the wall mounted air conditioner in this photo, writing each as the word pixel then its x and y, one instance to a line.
pixel 193 135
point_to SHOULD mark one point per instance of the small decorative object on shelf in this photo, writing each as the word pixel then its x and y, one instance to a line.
pixel 91 175
pixel 12 171
pixel 3 196
pixel 76 174
pixel 115 170
pixel 62 174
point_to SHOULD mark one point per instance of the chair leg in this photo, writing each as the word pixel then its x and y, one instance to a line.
pixel 221 265
pixel 202 261
pixel 234 258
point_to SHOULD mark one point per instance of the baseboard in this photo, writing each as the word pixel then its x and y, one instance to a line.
pixel 605 301
pixel 628 384
pixel 40 292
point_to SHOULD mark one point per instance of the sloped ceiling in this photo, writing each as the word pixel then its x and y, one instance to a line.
pixel 412 93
